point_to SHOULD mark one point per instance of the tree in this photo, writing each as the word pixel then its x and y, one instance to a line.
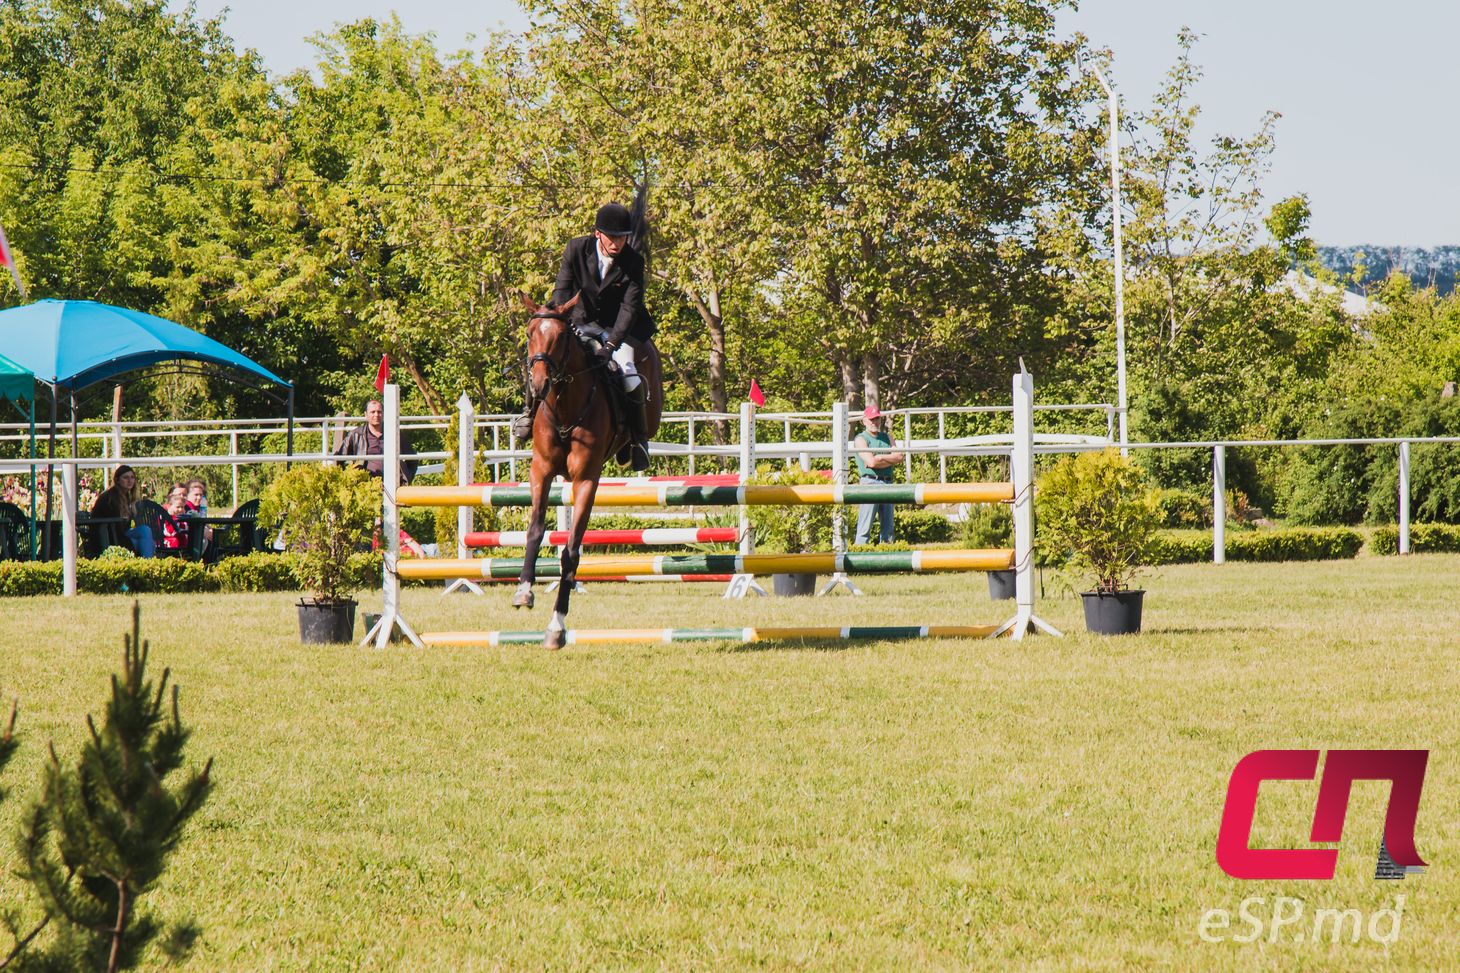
pixel 100 835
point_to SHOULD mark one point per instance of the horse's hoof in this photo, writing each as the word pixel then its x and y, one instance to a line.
pixel 554 639
pixel 522 599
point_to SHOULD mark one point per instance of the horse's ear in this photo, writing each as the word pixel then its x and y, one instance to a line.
pixel 527 302
pixel 571 304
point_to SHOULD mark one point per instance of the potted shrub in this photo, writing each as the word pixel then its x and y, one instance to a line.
pixel 327 513
pixel 792 529
pixel 991 525
pixel 1098 508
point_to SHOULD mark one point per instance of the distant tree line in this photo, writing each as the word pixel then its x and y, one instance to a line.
pixel 889 204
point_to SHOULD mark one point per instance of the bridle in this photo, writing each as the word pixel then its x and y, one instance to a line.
pixel 558 375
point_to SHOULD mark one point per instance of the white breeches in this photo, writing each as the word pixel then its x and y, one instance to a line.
pixel 623 355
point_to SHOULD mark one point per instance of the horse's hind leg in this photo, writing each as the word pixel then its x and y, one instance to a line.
pixel 583 493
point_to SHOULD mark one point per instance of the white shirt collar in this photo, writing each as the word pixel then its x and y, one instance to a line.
pixel 604 260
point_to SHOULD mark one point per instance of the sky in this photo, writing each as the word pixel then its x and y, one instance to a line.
pixel 1366 90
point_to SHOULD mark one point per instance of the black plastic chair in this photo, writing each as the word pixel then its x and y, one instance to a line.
pixel 96 538
pixel 247 537
pixel 151 515
pixel 14 533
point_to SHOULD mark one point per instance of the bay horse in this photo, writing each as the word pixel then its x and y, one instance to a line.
pixel 573 435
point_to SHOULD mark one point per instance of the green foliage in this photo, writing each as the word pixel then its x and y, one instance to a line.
pixel 921 526
pixel 259 571
pixel 99 837
pixel 1423 538
pixel 1360 484
pixel 118 553
pixel 988 525
pixel 790 528
pixel 328 512
pixel 1285 544
pixel 1097 506
pixel 1184 508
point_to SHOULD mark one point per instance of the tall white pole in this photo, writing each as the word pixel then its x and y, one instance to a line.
pixel 1021 475
pixel 466 466
pixel 1119 257
pixel 1219 504
pixel 1404 498
pixel 390 618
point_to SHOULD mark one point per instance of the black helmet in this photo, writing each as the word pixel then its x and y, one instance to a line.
pixel 613 219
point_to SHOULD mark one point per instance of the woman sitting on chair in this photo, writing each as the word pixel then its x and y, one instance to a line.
pixel 120 500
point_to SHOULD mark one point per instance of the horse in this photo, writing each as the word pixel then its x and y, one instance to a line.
pixel 573 435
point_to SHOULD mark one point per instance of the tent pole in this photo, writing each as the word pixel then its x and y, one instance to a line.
pixel 32 478
pixel 289 436
pixel 50 472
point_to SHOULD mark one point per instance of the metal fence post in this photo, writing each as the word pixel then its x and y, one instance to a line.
pixel 942 445
pixel 1404 497
pixel 691 444
pixel 233 449
pixel 906 440
pixel 1219 504
pixel 68 530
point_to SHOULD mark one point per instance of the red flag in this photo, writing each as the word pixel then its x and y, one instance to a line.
pixel 756 395
pixel 6 260
pixel 382 374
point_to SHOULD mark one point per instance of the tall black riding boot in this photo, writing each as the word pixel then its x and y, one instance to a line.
pixel 638 422
pixel 522 425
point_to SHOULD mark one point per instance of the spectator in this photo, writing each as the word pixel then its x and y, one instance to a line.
pixel 120 501
pixel 369 440
pixel 195 504
pixel 175 539
pixel 875 467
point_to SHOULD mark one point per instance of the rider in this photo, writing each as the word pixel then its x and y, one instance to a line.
pixel 609 274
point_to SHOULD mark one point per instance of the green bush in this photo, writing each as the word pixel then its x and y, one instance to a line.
pixel 988 525
pixel 1286 544
pixel 1180 547
pixel 260 571
pixel 420 523
pixel 1097 506
pixel 921 527
pixel 30 578
pixel 1184 508
pixel 167 575
pixel 1423 539
pixel 328 512
pixel 792 528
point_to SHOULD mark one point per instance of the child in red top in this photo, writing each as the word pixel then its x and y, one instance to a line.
pixel 175 539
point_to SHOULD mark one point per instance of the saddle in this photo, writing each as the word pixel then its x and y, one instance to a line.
pixel 613 380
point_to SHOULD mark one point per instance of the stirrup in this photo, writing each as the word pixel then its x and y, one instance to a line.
pixel 638 456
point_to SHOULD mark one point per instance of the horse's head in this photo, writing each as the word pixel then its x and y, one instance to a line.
pixel 549 343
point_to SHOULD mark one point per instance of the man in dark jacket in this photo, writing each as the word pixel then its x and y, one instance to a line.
pixel 609 274
pixel 369 440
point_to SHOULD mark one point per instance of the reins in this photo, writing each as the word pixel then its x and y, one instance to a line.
pixel 559 376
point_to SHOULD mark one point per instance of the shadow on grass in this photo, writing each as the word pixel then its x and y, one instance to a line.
pixel 1208 629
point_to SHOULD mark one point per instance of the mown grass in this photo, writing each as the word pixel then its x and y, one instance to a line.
pixel 1051 804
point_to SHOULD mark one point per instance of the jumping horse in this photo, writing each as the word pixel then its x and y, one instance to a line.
pixel 573 434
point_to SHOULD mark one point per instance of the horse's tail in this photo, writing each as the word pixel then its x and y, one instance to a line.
pixel 639 235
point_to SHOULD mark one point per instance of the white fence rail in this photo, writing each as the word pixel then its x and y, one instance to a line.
pixel 503 460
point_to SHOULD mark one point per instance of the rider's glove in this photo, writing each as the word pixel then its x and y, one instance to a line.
pixel 605 351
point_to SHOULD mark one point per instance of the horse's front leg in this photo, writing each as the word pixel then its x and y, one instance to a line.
pixel 583 494
pixel 541 482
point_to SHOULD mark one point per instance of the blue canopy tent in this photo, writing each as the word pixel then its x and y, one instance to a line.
pixel 70 346
pixel 17 385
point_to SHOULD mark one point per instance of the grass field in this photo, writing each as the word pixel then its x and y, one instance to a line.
pixel 1051 804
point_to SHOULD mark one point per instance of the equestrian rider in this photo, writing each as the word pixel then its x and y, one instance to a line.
pixel 609 274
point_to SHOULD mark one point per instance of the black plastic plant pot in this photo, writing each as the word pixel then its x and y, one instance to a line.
pixel 1003 585
pixel 793 585
pixel 1113 612
pixel 324 623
